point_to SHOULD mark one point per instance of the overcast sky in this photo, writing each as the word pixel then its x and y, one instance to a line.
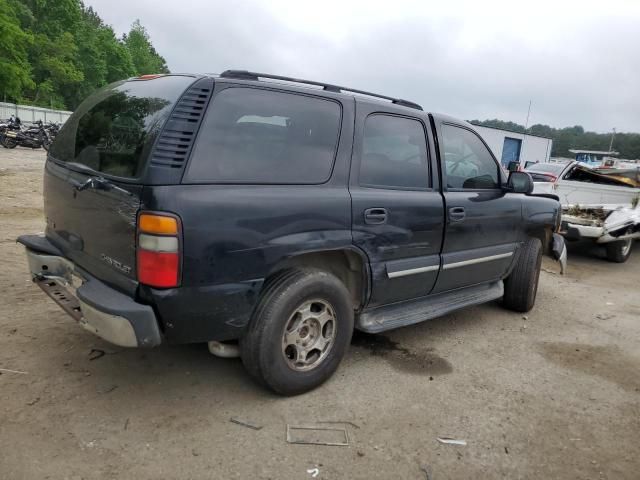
pixel 579 62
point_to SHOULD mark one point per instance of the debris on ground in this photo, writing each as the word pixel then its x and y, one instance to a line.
pixel 96 353
pixel 33 402
pixel 451 441
pixel 314 472
pixel 338 422
pixel 314 435
pixel 245 423
pixel 427 471
pixel 605 316
pixel 13 371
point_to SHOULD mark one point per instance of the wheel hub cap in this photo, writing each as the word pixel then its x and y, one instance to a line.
pixel 309 335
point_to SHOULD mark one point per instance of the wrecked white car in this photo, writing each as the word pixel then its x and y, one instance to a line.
pixel 598 204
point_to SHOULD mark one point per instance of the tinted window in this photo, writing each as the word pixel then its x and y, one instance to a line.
pixel 113 130
pixel 259 136
pixel 468 162
pixel 394 153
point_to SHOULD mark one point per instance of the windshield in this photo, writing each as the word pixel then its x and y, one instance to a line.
pixel 113 130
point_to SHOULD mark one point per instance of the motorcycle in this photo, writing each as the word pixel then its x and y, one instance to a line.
pixel 52 130
pixel 32 137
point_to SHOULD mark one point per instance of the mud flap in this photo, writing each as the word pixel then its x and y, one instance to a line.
pixel 559 250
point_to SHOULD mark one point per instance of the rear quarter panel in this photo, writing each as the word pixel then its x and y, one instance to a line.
pixel 235 235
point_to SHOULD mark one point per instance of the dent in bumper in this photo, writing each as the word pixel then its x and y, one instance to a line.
pixel 103 310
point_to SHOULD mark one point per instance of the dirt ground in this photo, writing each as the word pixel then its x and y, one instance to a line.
pixel 554 394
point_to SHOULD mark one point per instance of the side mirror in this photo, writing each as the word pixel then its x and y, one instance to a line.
pixel 520 182
pixel 513 166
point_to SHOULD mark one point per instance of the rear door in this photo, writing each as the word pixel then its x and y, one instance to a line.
pixel 397 212
pixel 483 223
pixel 93 176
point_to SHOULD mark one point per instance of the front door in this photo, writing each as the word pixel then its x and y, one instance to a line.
pixel 397 211
pixel 483 225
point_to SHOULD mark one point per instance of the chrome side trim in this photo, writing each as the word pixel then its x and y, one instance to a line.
pixel 473 261
pixel 412 271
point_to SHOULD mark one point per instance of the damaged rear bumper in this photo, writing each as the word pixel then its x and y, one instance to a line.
pixel 100 309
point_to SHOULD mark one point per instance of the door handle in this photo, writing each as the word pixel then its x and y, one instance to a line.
pixel 456 214
pixel 375 216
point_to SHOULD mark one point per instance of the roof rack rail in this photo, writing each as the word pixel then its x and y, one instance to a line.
pixel 246 75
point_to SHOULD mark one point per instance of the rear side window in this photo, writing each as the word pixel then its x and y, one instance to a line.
pixel 394 153
pixel 113 130
pixel 468 162
pixel 260 136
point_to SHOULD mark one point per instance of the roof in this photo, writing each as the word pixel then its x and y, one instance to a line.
pixel 595 152
pixel 511 131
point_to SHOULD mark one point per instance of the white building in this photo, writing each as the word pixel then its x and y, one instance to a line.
pixel 510 146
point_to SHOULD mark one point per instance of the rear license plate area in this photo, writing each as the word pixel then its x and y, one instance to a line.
pixel 62 296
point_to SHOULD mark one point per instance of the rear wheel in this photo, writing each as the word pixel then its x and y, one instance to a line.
pixel 620 251
pixel 521 287
pixel 299 331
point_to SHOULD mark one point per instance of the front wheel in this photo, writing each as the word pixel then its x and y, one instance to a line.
pixel 521 287
pixel 299 331
pixel 9 143
pixel 620 251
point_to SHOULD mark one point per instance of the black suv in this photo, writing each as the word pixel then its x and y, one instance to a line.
pixel 279 212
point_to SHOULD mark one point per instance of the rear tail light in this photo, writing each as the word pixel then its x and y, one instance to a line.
pixel 158 250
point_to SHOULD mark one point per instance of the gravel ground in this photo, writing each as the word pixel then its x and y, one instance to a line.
pixel 553 394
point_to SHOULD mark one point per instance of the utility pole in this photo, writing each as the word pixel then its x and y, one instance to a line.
pixel 526 123
pixel 612 137
pixel 526 127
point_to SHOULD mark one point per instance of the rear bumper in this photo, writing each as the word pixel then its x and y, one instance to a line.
pixel 97 307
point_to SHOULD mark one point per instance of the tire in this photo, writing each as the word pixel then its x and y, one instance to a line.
pixel 290 300
pixel 521 287
pixel 9 143
pixel 620 251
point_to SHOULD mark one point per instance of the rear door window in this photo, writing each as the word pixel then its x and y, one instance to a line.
pixel 113 130
pixel 394 153
pixel 252 135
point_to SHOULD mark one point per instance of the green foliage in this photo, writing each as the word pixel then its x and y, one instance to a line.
pixel 56 52
pixel 628 144
pixel 145 58
pixel 15 70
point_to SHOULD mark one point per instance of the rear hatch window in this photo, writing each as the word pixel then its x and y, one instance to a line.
pixel 113 131
pixel 110 135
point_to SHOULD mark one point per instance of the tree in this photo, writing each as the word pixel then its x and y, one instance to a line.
pixel 56 52
pixel 15 70
pixel 145 58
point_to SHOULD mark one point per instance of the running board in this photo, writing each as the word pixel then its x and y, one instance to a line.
pixel 415 311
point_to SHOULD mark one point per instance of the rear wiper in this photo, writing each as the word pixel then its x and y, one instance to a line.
pixel 95 181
